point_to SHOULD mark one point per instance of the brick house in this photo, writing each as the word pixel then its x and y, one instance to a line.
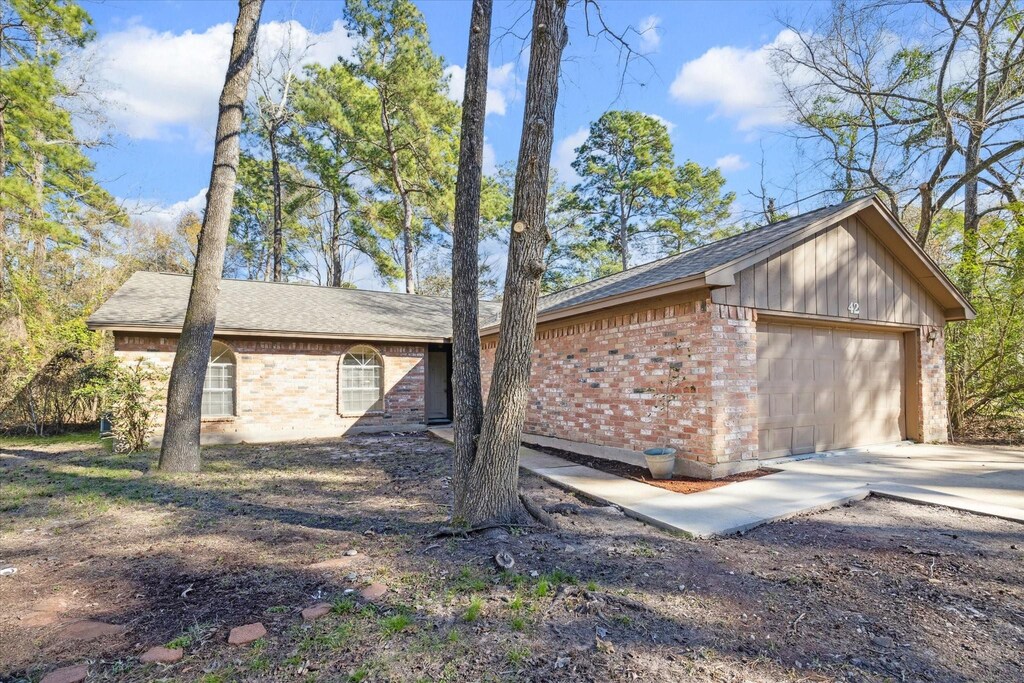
pixel 820 332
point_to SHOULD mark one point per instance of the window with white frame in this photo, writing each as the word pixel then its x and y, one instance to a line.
pixel 219 387
pixel 362 381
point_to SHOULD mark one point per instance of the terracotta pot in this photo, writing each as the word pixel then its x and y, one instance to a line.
pixel 661 462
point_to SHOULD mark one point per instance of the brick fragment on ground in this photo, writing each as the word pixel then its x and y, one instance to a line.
pixel 242 635
pixel 68 674
pixel 373 592
pixel 161 655
pixel 316 611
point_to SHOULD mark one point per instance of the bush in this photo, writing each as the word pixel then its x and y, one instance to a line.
pixel 133 396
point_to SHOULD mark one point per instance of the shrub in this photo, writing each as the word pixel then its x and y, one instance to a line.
pixel 133 396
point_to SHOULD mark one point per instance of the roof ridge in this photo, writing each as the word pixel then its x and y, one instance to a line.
pixel 312 285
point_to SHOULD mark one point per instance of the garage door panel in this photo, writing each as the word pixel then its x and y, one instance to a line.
pixel 821 388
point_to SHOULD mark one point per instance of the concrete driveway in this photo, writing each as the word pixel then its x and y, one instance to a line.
pixel 987 480
pixel 988 474
pixel 982 480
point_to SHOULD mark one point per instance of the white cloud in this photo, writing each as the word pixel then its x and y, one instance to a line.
pixel 165 85
pixel 490 164
pixel 731 162
pixel 158 214
pixel 565 154
pixel 738 81
pixel 502 86
pixel 665 122
pixel 650 34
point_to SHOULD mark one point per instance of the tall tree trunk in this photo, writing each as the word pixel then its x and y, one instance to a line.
pixel 924 226
pixel 3 211
pixel 467 396
pixel 623 234
pixel 403 195
pixel 494 475
pixel 275 177
pixel 38 208
pixel 180 449
pixel 970 265
pixel 335 242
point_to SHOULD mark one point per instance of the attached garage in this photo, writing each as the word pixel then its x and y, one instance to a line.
pixel 825 387
pixel 820 332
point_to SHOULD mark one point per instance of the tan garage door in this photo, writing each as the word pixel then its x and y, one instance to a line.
pixel 821 388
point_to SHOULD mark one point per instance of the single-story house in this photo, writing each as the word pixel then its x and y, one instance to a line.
pixel 819 332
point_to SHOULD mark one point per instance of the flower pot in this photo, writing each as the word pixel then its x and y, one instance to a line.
pixel 661 462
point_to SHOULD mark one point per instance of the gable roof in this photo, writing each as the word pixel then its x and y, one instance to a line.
pixel 683 265
pixel 717 263
pixel 157 301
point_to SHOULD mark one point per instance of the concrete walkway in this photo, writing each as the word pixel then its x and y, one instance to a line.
pixel 987 481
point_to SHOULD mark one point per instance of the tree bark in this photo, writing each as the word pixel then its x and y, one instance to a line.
pixel 467 395
pixel 623 233
pixel 494 475
pixel 924 226
pixel 275 177
pixel 335 242
pixel 180 448
pixel 403 194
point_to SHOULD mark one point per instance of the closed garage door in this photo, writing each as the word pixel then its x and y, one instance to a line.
pixel 821 388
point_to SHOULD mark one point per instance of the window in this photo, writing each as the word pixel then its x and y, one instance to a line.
pixel 362 381
pixel 219 387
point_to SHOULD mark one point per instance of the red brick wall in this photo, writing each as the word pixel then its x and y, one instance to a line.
pixel 934 426
pixel 288 389
pixel 681 375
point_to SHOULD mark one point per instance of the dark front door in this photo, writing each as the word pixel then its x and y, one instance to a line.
pixel 437 386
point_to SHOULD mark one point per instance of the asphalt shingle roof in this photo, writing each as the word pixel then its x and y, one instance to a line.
pixel 159 300
pixel 685 264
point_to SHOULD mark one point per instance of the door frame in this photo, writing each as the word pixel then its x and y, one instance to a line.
pixel 449 409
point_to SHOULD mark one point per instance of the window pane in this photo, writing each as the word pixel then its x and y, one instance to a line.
pixel 362 379
pixel 218 387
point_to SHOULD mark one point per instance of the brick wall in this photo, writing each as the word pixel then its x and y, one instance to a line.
pixel 682 375
pixel 934 426
pixel 288 389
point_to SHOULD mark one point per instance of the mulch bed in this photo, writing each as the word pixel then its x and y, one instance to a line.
pixel 676 484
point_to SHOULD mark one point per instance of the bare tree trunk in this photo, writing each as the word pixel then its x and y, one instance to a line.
pixel 275 176
pixel 924 226
pixel 494 475
pixel 623 234
pixel 39 234
pixel 467 398
pixel 3 211
pixel 180 449
pixel 403 195
pixel 335 242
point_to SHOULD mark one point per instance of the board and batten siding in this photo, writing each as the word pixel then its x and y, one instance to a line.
pixel 826 273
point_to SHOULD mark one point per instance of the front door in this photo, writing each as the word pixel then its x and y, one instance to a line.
pixel 437 386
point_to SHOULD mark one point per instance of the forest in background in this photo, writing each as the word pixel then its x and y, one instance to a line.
pixel 354 163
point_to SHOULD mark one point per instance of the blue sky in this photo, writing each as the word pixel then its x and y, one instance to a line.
pixel 159 66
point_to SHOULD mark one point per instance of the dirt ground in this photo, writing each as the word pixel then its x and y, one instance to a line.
pixel 677 484
pixel 880 591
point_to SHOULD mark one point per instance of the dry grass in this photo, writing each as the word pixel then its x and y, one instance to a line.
pixel 880 591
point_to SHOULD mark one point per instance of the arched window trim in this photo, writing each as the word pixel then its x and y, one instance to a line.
pixel 350 403
pixel 220 387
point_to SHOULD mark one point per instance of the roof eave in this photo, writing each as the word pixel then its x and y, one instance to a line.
pixel 674 287
pixel 288 334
